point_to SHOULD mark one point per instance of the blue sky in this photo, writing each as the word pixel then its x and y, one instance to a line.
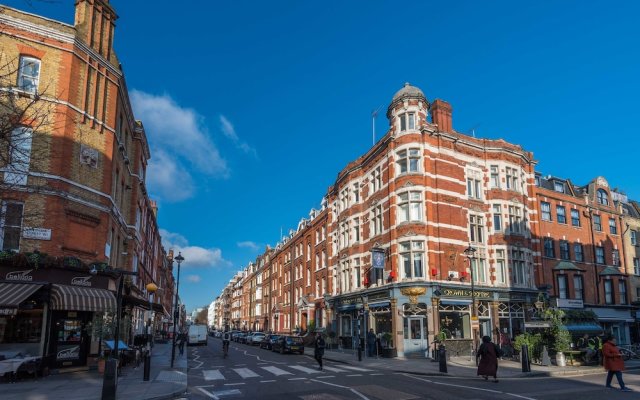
pixel 253 107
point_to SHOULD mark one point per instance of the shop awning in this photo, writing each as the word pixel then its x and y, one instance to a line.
pixel 12 294
pixel 584 328
pixel 455 302
pixel 76 298
pixel 610 314
pixel 379 304
pixel 143 304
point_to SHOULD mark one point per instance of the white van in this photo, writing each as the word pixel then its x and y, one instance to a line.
pixel 197 335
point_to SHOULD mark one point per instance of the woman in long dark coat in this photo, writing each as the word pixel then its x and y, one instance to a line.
pixel 488 354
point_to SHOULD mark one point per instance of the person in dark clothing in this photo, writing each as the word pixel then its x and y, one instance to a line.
pixel 181 341
pixel 319 346
pixel 488 354
pixel 371 343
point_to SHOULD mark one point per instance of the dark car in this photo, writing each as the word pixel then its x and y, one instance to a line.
pixel 288 344
pixel 267 341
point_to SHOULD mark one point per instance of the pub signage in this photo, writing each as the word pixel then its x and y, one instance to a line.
pixel 465 293
pixel 81 281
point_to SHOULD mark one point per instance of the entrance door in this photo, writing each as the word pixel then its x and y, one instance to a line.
pixel 415 338
pixel 71 342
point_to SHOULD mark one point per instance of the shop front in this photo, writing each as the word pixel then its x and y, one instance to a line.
pixel 54 313
pixel 615 321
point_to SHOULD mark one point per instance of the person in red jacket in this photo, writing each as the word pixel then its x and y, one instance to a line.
pixel 613 362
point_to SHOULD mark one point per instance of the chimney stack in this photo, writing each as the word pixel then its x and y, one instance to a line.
pixel 441 115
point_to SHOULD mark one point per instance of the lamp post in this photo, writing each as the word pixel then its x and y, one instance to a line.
pixel 110 378
pixel 179 259
pixel 151 289
pixel 470 252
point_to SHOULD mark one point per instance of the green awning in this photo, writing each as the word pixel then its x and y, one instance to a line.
pixel 591 327
pixel 610 271
pixel 566 266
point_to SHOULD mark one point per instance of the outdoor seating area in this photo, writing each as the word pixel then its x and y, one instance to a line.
pixel 14 366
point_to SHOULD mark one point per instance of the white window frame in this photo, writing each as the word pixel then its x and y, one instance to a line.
pixel 515 220
pixel 501 270
pixel 23 77
pixel 409 206
pixel 407 121
pixel 4 226
pixel 413 253
pixel 476 228
pixel 518 267
pixel 479 265
pixel 561 281
pixel 17 169
pixel 578 287
pixel 634 237
pixel 474 184
pixel 376 221
pixel 545 211
pixel 497 217
pixel 408 161
pixel 495 177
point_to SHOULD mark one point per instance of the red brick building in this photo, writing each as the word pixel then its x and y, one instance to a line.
pixel 75 199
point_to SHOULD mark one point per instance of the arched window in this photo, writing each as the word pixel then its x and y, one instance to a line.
pixel 603 198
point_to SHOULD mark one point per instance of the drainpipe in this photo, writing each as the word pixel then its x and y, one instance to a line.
pixel 596 280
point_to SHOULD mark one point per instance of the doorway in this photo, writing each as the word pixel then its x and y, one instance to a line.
pixel 415 335
pixel 70 341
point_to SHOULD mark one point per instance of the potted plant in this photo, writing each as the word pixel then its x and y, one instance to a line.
pixel 102 359
pixel 562 344
pixel 387 345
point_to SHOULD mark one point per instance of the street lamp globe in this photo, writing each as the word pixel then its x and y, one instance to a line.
pixel 152 287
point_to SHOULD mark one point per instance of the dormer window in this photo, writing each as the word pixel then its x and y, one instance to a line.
pixel 29 74
pixel 407 121
pixel 558 187
pixel 603 198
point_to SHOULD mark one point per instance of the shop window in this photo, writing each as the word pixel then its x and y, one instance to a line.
pixel 455 325
pixel 23 327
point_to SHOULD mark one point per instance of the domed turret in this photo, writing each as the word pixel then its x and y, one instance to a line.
pixel 408 109
pixel 408 91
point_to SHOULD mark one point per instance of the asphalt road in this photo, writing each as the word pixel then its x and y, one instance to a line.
pixel 252 373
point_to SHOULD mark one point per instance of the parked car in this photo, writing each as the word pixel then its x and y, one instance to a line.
pixel 288 344
pixel 267 341
pixel 247 338
pixel 256 338
pixel 240 337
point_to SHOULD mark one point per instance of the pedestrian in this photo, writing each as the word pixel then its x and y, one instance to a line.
pixel 181 340
pixel 319 346
pixel 613 362
pixel 371 343
pixel 488 354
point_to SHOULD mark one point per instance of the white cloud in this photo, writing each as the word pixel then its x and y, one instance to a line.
pixel 249 245
pixel 178 137
pixel 194 256
pixel 168 179
pixel 230 132
pixel 193 278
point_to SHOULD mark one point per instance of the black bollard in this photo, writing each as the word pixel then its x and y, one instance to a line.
pixel 442 358
pixel 147 366
pixel 524 357
pixel 110 382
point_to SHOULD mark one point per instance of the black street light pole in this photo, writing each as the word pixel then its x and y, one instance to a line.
pixel 110 378
pixel 151 289
pixel 179 259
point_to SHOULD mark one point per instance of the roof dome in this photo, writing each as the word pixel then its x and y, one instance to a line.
pixel 408 91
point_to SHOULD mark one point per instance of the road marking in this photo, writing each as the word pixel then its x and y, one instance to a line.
pixel 470 387
pixel 240 365
pixel 212 375
pixel 297 379
pixel 325 377
pixel 305 369
pixel 357 368
pixel 362 396
pixel 332 369
pixel 276 371
pixel 246 373
pixel 234 384
pixel 376 374
pixel 355 375
pixel 269 381
pixel 211 395
pixel 227 392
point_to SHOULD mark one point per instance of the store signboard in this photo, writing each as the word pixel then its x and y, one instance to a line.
pixel 569 303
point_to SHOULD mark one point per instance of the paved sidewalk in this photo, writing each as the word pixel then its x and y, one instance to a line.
pixel 165 383
pixel 460 366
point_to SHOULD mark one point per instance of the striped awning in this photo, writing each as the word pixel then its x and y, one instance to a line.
pixel 76 298
pixel 12 294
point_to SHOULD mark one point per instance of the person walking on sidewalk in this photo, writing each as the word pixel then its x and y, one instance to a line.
pixel 181 341
pixel 488 354
pixel 371 343
pixel 613 362
pixel 319 346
